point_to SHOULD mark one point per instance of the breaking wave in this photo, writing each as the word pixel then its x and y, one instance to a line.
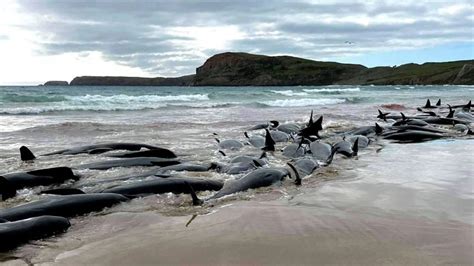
pixel 332 90
pixel 290 93
pixel 302 102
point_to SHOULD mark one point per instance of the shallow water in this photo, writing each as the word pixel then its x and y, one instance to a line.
pixel 429 183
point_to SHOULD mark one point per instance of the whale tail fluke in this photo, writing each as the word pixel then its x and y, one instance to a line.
pixel 7 190
pixel 331 156
pixel 26 154
pixel 382 116
pixel 297 175
pixel 196 200
pixel 438 103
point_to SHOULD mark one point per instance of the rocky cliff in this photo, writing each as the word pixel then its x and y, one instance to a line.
pixel 242 69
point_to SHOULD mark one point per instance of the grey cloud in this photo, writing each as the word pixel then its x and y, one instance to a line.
pixel 138 33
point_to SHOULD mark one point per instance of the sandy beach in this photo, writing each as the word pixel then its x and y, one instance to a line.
pixel 417 215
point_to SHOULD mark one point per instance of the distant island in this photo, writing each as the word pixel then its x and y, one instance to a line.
pixel 243 69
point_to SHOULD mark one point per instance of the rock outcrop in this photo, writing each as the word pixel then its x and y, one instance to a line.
pixel 56 83
pixel 131 81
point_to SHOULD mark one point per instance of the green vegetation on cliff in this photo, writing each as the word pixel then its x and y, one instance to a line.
pixel 242 69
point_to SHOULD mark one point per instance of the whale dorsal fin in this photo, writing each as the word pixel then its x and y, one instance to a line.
pixel 438 103
pixel 263 155
pixel 451 112
pixel 246 135
pixel 7 190
pixel 223 153
pixel 310 118
pixel 378 129
pixel 269 142
pixel 428 104
pixel 319 123
pixel 26 154
pixel 355 147
pixel 218 140
pixel 403 116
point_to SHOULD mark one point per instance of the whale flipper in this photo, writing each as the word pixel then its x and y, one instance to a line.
pixel 297 175
pixel 196 201
pixel 26 154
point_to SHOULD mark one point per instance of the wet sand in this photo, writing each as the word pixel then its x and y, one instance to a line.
pixel 415 215
pixel 249 233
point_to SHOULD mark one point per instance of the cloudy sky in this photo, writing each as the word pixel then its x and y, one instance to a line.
pixel 58 40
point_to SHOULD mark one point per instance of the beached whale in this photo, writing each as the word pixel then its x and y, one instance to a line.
pixel 320 150
pixel 293 150
pixel 347 148
pixel 279 136
pixel 413 135
pixel 165 171
pixel 255 140
pixel 129 162
pixel 262 177
pixel 157 152
pixel 16 233
pixel 166 185
pixel 65 206
pixel 10 183
pixel 305 166
pixel 105 147
pixel 235 168
pixel 40 177
pixel 366 130
pixel 229 144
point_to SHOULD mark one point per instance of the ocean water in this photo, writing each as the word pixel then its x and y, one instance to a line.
pixel 184 119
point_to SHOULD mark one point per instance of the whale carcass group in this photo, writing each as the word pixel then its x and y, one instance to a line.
pixel 304 146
